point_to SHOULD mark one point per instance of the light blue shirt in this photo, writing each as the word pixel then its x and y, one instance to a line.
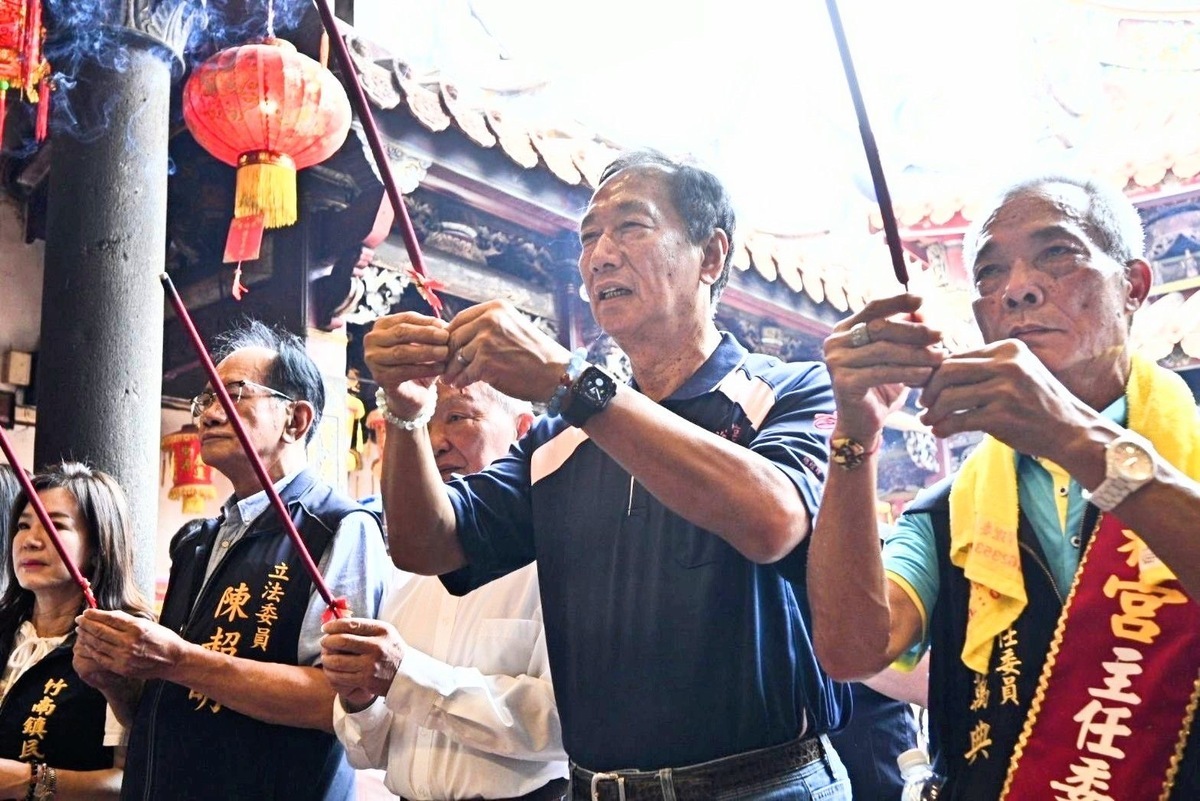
pixel 356 565
pixel 910 550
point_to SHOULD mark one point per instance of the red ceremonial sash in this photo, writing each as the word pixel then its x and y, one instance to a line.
pixel 1117 694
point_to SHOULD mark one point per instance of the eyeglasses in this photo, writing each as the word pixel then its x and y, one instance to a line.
pixel 236 390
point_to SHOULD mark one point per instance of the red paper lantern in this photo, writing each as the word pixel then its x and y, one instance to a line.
pixel 191 478
pixel 269 111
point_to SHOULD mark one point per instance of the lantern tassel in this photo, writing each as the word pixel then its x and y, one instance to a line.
pixel 31 49
pixel 194 496
pixel 3 105
pixel 239 289
pixel 266 185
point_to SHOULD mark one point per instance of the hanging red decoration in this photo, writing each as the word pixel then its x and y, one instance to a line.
pixel 22 65
pixel 191 478
pixel 269 111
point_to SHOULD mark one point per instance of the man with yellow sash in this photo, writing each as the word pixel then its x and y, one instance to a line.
pixel 1054 577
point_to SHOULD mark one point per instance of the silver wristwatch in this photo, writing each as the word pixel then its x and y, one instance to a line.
pixel 1130 461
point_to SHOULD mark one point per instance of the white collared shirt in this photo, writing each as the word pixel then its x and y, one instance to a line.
pixel 471 711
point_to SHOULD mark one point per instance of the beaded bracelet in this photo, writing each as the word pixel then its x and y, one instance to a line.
pixel 420 421
pixel 34 778
pixel 47 784
pixel 574 370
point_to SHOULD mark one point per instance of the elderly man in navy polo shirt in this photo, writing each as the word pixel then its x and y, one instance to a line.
pixel 667 517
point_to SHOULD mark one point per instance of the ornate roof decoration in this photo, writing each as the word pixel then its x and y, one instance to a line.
pixel 1168 329
pixel 1116 81
pixel 572 156
pixel 1100 70
pixel 578 157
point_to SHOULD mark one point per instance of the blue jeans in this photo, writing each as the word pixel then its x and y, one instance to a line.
pixel 823 780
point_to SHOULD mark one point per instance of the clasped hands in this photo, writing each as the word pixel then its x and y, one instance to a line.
pixel 491 342
pixel 875 356
pixel 360 658
pixel 115 651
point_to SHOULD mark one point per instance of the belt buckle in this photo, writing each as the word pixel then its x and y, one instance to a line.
pixel 608 777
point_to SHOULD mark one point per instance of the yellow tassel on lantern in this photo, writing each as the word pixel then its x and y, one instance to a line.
pixel 266 185
pixel 194 496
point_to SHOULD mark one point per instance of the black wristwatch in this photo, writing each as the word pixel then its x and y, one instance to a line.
pixel 589 394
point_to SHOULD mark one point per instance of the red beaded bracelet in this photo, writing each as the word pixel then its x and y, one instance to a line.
pixel 34 777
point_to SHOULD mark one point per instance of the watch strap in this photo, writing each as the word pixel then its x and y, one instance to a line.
pixel 590 393
pixel 575 367
pixel 1110 493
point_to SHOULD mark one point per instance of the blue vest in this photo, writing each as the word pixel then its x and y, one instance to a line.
pixel 186 746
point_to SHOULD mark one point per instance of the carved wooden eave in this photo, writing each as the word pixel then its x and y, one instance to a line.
pixel 541 172
pixel 1168 329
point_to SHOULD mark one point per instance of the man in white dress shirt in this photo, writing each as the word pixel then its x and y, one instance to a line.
pixel 453 695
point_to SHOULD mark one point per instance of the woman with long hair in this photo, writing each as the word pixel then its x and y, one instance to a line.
pixel 58 739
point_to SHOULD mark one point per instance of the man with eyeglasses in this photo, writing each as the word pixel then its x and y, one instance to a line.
pixel 235 704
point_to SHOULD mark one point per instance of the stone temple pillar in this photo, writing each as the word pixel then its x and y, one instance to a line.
pixel 100 357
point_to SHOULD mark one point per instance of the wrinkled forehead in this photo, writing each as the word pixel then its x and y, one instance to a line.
pixel 1036 208
pixel 250 363
pixel 647 184
pixel 474 396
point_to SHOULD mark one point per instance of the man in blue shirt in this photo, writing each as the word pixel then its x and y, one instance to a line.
pixel 667 517
pixel 1049 670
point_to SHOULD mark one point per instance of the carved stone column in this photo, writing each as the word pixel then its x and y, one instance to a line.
pixel 100 362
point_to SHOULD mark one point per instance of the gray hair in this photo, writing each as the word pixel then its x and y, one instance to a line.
pixel 509 404
pixel 292 372
pixel 1110 219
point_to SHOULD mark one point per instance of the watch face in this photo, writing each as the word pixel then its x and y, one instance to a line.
pixel 1132 462
pixel 595 386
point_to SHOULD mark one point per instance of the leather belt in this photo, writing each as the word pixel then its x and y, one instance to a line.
pixel 697 782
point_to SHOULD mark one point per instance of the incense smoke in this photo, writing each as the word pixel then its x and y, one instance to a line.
pixel 84 38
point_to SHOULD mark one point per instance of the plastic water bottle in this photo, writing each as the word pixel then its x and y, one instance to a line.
pixel 920 782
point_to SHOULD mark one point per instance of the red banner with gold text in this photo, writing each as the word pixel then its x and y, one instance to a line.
pixel 1118 692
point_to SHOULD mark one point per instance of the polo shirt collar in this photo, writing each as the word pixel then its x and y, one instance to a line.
pixel 725 358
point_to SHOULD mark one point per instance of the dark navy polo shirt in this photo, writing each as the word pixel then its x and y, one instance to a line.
pixel 667 647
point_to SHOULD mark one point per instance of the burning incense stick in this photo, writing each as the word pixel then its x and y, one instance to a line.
pixel 890 231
